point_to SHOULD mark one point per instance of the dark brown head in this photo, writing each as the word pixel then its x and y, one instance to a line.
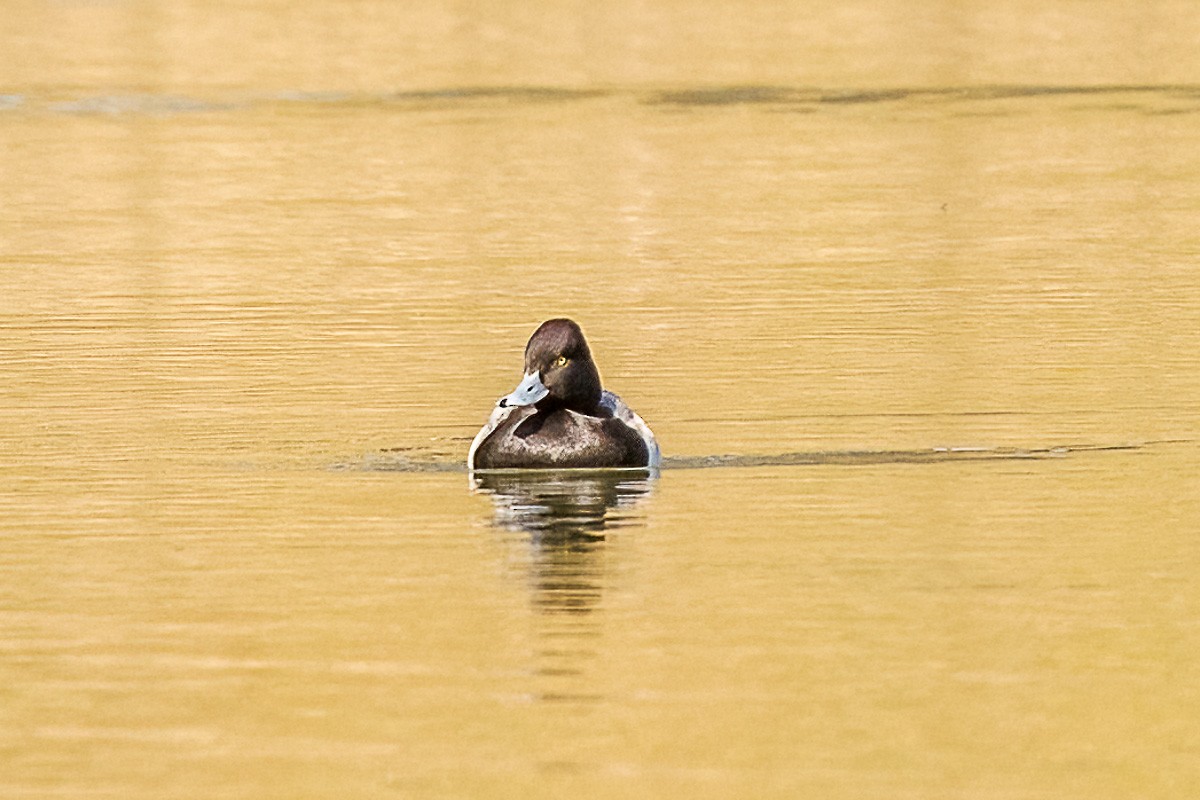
pixel 559 371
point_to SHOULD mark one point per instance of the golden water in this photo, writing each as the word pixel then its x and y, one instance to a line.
pixel 266 267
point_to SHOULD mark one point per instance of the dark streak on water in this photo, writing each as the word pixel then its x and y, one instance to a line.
pixel 784 95
pixel 690 97
pixel 405 460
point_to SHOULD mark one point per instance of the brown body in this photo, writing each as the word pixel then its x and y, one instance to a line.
pixel 562 438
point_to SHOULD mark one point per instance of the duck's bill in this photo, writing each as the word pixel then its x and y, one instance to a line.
pixel 528 392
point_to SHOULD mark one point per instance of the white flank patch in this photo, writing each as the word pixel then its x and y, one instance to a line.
pixel 499 414
pixel 627 415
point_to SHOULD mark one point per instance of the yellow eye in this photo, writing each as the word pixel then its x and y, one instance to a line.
pixel 561 362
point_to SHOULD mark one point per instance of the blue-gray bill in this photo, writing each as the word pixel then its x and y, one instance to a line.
pixel 529 391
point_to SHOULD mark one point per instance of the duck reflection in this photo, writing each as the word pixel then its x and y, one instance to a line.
pixel 564 519
pixel 563 509
pixel 566 515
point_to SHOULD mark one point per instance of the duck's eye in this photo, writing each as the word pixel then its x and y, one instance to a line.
pixel 561 361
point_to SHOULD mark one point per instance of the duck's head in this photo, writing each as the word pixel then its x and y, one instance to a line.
pixel 559 371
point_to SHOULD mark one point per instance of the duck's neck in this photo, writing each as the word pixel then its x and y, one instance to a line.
pixel 585 400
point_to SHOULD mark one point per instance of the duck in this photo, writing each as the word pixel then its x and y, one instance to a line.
pixel 559 416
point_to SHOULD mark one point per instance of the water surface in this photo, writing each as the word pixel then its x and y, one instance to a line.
pixel 909 299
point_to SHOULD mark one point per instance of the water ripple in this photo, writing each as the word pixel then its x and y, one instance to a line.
pixel 779 96
pixel 148 104
pixel 405 460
